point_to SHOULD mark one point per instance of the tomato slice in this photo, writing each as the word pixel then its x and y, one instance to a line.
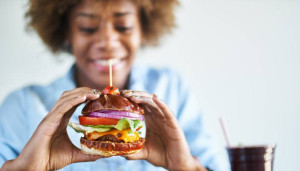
pixel 83 120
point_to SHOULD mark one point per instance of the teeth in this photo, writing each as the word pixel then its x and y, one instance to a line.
pixel 106 62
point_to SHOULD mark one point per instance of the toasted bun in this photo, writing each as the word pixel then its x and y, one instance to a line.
pixel 112 102
pixel 107 148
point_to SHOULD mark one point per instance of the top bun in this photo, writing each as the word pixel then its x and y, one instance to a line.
pixel 112 102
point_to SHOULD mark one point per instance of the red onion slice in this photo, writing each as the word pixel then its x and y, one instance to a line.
pixel 116 114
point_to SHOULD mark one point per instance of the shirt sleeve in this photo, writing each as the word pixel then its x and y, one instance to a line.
pixel 12 126
pixel 200 141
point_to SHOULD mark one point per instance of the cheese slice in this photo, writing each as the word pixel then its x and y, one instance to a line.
pixel 126 135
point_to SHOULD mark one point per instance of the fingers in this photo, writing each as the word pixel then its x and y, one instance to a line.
pixel 149 99
pixel 139 97
pixel 71 99
pixel 154 107
pixel 135 93
pixel 141 155
pixel 79 156
pixel 168 114
pixel 145 99
pixel 78 92
pixel 60 114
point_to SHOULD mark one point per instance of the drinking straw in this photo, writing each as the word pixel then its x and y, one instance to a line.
pixel 224 131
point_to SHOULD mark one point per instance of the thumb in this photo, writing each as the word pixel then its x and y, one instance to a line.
pixel 141 155
pixel 79 156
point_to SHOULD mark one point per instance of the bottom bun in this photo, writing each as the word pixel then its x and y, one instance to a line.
pixel 108 148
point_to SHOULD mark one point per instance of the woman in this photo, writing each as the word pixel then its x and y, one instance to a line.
pixel 34 120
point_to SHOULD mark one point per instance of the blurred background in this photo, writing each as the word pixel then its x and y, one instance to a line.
pixel 241 59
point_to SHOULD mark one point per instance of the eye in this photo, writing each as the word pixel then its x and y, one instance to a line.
pixel 88 30
pixel 123 29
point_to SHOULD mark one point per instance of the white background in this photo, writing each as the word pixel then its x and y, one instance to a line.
pixel 241 58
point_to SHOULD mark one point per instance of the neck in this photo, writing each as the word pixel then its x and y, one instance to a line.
pixel 82 81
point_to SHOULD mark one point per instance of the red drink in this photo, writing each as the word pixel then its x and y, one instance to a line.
pixel 251 158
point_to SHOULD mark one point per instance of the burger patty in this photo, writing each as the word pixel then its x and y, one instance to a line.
pixel 113 146
pixel 110 138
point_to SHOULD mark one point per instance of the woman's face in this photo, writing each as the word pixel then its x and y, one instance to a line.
pixel 103 30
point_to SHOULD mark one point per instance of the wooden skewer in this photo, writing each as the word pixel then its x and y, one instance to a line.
pixel 110 72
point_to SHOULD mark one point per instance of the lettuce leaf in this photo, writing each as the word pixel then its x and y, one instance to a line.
pixel 127 123
pixel 123 124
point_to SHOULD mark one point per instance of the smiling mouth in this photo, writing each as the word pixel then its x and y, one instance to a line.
pixel 103 64
pixel 106 62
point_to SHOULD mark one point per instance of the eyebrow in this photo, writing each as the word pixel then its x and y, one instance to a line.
pixel 92 16
pixel 120 14
pixel 88 15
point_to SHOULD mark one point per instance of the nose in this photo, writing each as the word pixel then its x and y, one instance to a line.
pixel 107 37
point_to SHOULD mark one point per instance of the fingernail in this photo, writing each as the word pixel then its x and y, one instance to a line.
pixel 127 92
pixel 155 96
pixel 94 91
pixel 137 97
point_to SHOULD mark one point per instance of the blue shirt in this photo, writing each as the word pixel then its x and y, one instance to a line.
pixel 23 110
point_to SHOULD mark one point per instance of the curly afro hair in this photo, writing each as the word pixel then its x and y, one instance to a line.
pixel 49 18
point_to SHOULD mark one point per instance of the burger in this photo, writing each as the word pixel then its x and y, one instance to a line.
pixel 110 125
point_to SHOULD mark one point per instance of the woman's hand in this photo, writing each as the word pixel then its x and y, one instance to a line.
pixel 50 148
pixel 166 145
